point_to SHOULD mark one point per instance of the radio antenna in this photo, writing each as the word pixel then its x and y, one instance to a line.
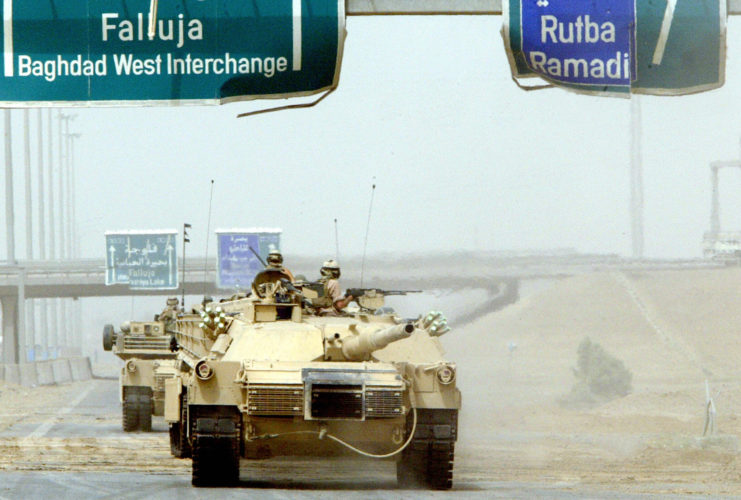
pixel 208 228
pixel 336 242
pixel 367 228
pixel 186 239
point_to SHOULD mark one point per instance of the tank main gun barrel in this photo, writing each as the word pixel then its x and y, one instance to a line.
pixel 359 346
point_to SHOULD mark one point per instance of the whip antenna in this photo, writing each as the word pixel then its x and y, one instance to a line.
pixel 367 228
pixel 208 228
pixel 336 242
pixel 186 239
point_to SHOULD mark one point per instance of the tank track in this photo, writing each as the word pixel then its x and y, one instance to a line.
pixel 137 409
pixel 179 444
pixel 216 450
pixel 428 460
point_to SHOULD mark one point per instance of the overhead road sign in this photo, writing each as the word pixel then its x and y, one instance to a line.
pixel 447 7
pixel 99 52
pixel 618 47
pixel 237 262
pixel 142 259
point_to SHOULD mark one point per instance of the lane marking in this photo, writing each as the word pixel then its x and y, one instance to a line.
pixel 42 429
pixel 296 35
pixel 8 36
pixel 666 25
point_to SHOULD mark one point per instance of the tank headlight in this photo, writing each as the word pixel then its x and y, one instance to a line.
pixel 446 374
pixel 131 366
pixel 204 370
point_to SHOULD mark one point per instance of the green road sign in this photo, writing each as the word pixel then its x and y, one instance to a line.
pixel 661 47
pixel 100 52
pixel 142 259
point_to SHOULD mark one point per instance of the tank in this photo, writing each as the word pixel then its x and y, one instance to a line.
pixel 148 362
pixel 267 375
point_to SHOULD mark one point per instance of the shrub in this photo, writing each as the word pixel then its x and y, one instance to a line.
pixel 599 376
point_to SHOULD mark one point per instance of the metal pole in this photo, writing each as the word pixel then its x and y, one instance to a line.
pixel 636 178
pixel 74 246
pixel 21 332
pixel 9 213
pixel 30 329
pixel 60 187
pixel 11 336
pixel 714 202
pixel 73 196
pixel 64 340
pixel 54 324
pixel 43 327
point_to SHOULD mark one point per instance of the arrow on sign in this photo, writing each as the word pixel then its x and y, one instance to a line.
pixel 8 36
pixel 666 25
pixel 168 250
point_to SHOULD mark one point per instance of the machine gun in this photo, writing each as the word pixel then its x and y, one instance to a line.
pixel 373 298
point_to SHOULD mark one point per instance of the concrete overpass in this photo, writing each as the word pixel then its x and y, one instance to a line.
pixel 498 273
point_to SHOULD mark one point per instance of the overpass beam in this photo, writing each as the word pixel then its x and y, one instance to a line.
pixel 10 333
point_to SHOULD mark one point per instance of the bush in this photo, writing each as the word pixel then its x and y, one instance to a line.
pixel 599 376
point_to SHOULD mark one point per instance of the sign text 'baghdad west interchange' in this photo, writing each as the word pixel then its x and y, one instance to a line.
pixel 208 50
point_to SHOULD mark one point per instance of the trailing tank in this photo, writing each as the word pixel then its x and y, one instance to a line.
pixel 265 376
pixel 148 362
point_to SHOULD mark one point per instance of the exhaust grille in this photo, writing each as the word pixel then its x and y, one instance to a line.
pixel 137 342
pixel 275 400
pixel 383 402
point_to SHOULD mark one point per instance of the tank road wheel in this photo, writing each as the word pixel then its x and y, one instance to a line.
pixel 145 409
pixel 108 333
pixel 428 460
pixel 137 409
pixel 130 410
pixel 215 452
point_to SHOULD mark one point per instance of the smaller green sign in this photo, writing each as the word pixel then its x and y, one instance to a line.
pixel 142 259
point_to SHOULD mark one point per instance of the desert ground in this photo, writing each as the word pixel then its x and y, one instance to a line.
pixel 677 332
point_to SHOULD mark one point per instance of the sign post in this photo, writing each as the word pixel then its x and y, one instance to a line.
pixel 142 259
pixel 618 47
pixel 99 52
pixel 237 263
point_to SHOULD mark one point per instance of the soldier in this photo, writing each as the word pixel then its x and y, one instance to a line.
pixel 330 272
pixel 170 313
pixel 275 261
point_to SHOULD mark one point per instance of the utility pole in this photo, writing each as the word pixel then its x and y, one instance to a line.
pixel 29 345
pixel 44 325
pixel 636 178
pixel 54 326
pixel 9 203
pixel 63 330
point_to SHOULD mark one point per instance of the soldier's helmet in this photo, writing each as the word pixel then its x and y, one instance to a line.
pixel 275 259
pixel 172 301
pixel 330 269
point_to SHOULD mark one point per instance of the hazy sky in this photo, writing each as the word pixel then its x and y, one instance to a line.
pixel 462 158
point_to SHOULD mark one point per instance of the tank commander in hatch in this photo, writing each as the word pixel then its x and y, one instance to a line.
pixel 275 262
pixel 170 313
pixel 330 275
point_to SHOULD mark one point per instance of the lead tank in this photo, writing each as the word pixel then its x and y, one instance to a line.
pixel 265 376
